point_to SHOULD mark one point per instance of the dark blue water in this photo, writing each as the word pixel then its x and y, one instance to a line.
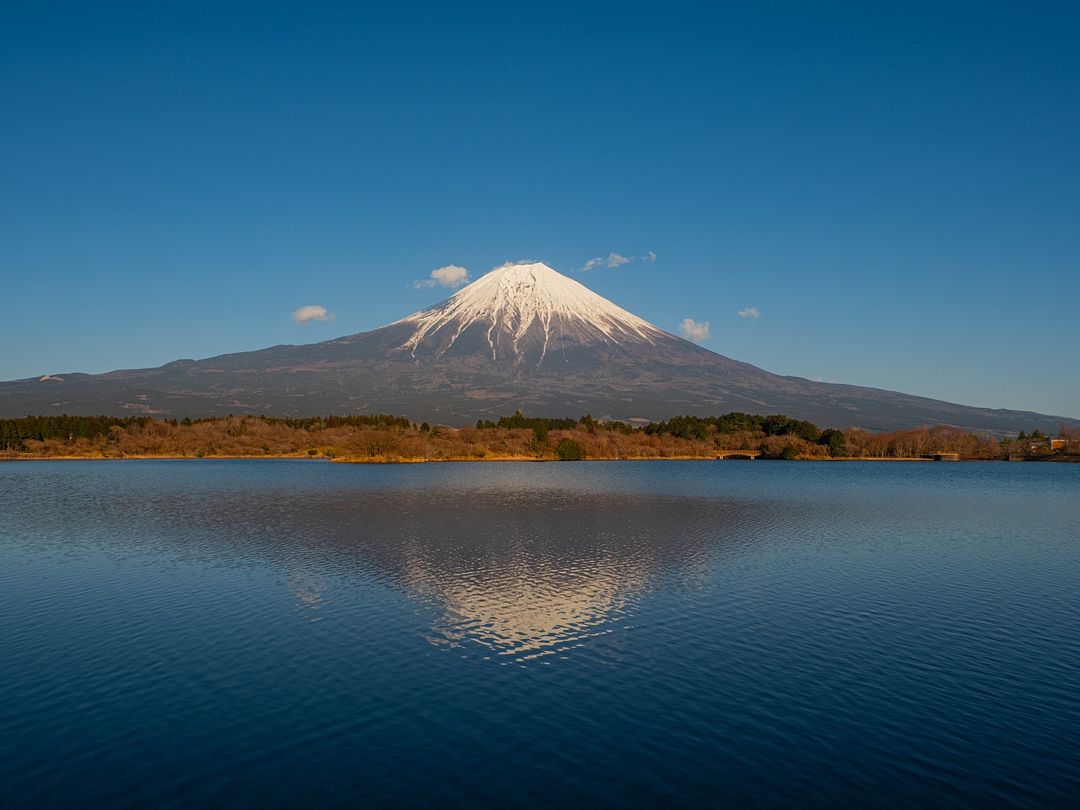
pixel 663 633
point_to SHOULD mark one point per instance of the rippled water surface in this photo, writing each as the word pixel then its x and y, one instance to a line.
pixel 662 633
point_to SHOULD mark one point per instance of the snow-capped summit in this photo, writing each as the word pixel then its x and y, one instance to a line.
pixel 521 310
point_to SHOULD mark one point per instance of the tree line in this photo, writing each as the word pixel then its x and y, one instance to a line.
pixel 14 433
pixel 386 435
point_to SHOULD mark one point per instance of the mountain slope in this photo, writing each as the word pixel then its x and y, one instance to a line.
pixel 522 336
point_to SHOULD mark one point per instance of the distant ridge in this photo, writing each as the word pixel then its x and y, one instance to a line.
pixel 520 337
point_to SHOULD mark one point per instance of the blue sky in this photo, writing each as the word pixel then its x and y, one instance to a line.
pixel 894 187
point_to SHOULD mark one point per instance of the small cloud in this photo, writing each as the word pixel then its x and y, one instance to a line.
pixel 449 276
pixel 616 260
pixel 612 260
pixel 313 312
pixel 750 312
pixel 692 330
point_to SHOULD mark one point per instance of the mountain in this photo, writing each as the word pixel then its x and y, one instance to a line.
pixel 522 336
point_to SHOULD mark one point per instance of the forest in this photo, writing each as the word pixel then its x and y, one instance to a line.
pixel 388 438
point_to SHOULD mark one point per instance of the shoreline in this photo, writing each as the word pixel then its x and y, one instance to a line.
pixel 386 439
pixel 470 459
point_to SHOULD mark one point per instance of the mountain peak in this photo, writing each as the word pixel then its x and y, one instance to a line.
pixel 525 270
pixel 525 304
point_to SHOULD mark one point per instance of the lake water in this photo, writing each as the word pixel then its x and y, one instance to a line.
pixel 254 633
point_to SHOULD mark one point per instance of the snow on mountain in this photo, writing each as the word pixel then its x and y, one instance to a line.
pixel 523 306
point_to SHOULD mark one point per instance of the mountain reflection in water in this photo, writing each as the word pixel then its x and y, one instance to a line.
pixel 545 573
pixel 509 574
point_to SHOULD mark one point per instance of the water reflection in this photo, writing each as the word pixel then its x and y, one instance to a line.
pixel 512 575
pixel 524 606
pixel 310 594
pixel 524 577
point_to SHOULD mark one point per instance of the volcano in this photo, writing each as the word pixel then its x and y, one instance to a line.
pixel 520 337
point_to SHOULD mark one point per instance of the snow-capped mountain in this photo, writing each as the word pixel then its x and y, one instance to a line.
pixel 522 310
pixel 522 336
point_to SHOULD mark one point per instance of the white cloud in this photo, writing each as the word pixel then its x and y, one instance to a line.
pixel 692 330
pixel 750 312
pixel 612 260
pixel 449 276
pixel 616 260
pixel 312 312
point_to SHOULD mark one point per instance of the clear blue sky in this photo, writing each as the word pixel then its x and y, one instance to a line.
pixel 894 187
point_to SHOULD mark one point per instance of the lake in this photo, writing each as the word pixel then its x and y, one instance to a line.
pixel 298 633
